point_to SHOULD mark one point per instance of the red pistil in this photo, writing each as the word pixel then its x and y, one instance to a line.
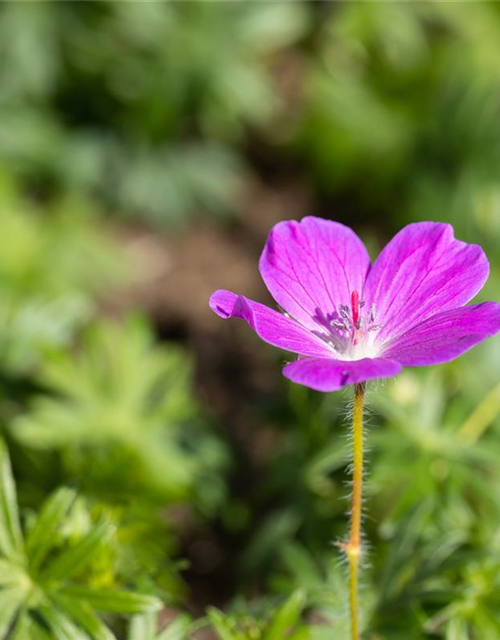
pixel 355 308
pixel 355 316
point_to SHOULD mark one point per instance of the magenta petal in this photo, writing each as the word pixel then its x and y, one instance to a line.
pixel 446 335
pixel 312 266
pixel 271 326
pixel 325 374
pixel 424 270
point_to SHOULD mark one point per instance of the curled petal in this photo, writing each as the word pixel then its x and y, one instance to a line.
pixel 311 267
pixel 271 326
pixel 446 335
pixel 423 271
pixel 325 374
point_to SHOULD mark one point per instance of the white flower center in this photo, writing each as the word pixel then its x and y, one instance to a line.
pixel 350 333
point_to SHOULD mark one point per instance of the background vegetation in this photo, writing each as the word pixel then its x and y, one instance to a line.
pixel 159 479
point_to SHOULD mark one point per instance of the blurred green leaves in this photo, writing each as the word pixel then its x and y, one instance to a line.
pixel 145 627
pixel 122 413
pixel 282 622
pixel 43 584
pixel 142 105
pixel 53 262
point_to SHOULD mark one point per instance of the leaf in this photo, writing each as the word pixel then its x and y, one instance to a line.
pixel 176 630
pixel 142 627
pixel 220 625
pixel 11 574
pixel 114 601
pixel 22 628
pixel 61 626
pixel 71 561
pixel 83 615
pixel 41 538
pixel 10 601
pixel 286 617
pixel 11 541
pixel 456 629
pixel 301 564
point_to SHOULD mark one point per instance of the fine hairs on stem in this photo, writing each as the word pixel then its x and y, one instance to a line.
pixel 353 546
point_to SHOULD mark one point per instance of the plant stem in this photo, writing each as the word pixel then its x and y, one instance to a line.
pixel 481 418
pixel 353 546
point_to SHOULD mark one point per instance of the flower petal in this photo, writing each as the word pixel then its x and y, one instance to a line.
pixel 446 335
pixel 312 266
pixel 423 270
pixel 271 326
pixel 325 374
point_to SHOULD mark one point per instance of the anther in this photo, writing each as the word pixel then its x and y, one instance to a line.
pixel 338 324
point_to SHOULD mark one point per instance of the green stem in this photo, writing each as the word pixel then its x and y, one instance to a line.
pixel 353 546
pixel 481 418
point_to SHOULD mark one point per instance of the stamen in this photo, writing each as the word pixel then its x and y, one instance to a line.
pixel 344 312
pixel 338 324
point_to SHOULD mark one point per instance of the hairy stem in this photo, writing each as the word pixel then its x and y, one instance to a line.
pixel 353 546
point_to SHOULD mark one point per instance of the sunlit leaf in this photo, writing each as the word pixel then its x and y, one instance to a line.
pixel 11 543
pixel 41 538
pixel 113 601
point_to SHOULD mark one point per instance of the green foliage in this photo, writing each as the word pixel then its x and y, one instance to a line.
pixel 303 492
pixel 323 579
pixel 432 494
pixel 429 438
pixel 145 627
pixel 52 263
pixel 51 252
pixel 117 417
pixel 155 133
pixel 272 623
pixel 281 622
pixel 122 413
pixel 45 590
pixel 441 519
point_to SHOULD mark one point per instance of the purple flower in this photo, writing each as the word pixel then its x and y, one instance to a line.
pixel 350 321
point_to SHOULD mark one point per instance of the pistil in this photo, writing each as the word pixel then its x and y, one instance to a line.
pixel 355 316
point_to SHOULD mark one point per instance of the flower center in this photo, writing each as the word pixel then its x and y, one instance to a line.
pixel 350 332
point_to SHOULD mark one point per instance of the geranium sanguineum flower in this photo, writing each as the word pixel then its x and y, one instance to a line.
pixel 350 321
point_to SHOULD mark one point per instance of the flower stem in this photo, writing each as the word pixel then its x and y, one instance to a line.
pixel 353 546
